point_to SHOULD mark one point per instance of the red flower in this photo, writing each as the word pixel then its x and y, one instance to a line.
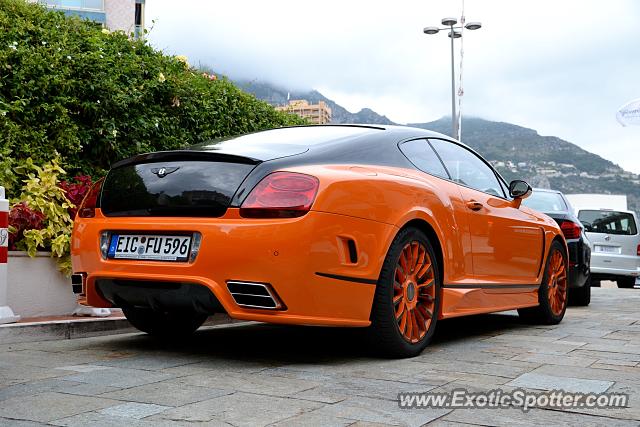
pixel 23 218
pixel 76 190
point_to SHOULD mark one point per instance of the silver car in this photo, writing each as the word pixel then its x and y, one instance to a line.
pixel 616 245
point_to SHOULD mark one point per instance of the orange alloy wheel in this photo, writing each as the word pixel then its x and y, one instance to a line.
pixel 414 291
pixel 557 285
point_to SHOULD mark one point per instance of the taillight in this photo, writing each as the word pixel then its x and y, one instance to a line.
pixel 638 250
pixel 571 230
pixel 281 195
pixel 88 206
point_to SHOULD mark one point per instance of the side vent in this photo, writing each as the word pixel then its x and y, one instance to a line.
pixel 353 253
pixel 349 250
pixel 254 295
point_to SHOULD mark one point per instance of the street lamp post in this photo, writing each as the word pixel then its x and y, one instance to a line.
pixel 449 24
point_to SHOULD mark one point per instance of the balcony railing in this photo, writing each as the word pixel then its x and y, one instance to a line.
pixel 75 4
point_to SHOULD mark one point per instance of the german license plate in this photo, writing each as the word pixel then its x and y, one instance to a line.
pixel 149 247
pixel 607 249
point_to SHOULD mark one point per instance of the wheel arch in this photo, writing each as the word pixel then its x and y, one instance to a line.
pixel 427 229
pixel 547 251
pixel 558 238
pixel 565 248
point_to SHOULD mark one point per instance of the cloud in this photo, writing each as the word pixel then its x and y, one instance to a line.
pixel 562 68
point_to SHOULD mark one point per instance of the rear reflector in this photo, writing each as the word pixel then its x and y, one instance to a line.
pixel 571 230
pixel 281 195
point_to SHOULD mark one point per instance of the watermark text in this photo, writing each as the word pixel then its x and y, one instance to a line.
pixel 519 398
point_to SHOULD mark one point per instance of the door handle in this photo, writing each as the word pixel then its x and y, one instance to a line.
pixel 474 205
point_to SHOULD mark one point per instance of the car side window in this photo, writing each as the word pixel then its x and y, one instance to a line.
pixel 420 153
pixel 467 168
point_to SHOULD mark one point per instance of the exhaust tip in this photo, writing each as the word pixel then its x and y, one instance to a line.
pixel 254 295
pixel 78 282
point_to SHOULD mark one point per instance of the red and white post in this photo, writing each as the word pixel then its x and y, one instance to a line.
pixel 6 314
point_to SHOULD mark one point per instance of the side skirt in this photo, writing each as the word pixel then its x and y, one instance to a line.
pixel 468 299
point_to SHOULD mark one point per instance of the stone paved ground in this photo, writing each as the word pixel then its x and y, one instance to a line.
pixel 288 376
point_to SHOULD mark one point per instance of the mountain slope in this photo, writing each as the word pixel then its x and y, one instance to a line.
pixel 545 161
pixel 506 141
pixel 275 95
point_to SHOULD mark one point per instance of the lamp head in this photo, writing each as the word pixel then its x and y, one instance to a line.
pixel 449 22
pixel 473 26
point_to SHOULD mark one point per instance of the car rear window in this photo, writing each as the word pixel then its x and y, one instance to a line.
pixel 172 188
pixel 608 222
pixel 545 201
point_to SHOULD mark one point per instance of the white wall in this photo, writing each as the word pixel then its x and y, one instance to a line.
pixel 37 288
pixel 120 14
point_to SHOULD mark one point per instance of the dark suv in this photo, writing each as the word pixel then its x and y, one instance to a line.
pixel 554 204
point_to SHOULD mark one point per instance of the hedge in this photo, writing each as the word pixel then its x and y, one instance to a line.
pixel 94 97
pixel 74 98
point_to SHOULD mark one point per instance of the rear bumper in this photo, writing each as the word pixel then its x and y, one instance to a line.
pixel 162 296
pixel 285 253
pixel 615 265
pixel 615 272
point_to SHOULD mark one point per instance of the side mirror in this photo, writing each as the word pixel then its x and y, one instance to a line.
pixel 519 190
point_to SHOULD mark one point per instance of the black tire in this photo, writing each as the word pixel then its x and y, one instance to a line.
pixel 626 282
pixel 384 333
pixel 543 313
pixel 581 296
pixel 164 324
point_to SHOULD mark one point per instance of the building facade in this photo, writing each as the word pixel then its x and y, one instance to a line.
pixel 122 15
pixel 318 114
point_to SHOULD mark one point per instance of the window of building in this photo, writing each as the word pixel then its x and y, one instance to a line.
pixel 138 19
pixel 75 4
pixel 71 3
pixel 93 4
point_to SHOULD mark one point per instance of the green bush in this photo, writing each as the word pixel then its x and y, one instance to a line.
pixel 95 97
pixel 75 98
pixel 42 193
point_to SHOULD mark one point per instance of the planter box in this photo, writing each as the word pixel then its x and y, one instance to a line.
pixel 36 287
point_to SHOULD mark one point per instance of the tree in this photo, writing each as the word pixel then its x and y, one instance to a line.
pixel 94 97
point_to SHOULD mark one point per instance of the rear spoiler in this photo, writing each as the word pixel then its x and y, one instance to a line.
pixel 185 155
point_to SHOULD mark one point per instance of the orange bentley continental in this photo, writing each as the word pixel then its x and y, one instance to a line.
pixel 386 228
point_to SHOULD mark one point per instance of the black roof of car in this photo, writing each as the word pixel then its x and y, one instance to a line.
pixel 289 141
pixel 312 143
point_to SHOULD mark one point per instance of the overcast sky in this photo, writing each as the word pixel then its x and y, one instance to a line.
pixel 560 67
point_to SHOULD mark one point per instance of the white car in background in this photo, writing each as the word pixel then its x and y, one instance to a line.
pixel 615 252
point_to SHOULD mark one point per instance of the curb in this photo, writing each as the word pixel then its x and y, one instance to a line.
pixel 14 333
